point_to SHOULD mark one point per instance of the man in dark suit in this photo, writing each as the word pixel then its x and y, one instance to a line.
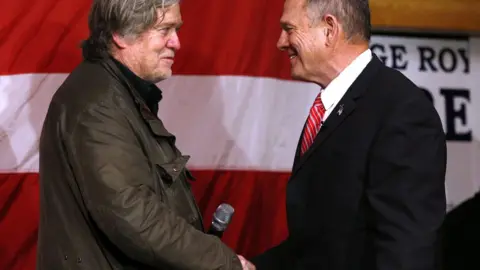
pixel 367 185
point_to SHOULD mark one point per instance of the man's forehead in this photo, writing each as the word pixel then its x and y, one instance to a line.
pixel 291 9
pixel 291 13
pixel 294 5
pixel 170 15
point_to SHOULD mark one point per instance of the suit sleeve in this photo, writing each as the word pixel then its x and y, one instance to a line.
pixel 274 258
pixel 112 173
pixel 406 187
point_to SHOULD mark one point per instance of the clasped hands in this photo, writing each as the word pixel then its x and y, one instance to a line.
pixel 246 265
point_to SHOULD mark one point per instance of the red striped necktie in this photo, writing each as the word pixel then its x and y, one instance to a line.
pixel 314 122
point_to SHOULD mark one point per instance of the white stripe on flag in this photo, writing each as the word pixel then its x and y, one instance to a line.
pixel 246 123
pixel 235 122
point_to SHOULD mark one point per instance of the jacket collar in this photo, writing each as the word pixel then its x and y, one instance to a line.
pixel 148 91
pixel 150 118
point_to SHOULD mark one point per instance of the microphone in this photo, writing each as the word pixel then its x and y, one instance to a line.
pixel 221 219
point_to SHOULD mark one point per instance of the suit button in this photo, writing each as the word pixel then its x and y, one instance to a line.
pixel 65 257
pixel 79 260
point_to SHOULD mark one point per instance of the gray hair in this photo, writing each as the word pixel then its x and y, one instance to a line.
pixel 353 14
pixel 127 18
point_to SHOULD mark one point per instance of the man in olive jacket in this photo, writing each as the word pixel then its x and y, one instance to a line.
pixel 114 188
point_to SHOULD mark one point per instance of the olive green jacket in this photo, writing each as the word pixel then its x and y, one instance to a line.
pixel 114 190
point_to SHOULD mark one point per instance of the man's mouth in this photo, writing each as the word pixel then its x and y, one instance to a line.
pixel 292 54
pixel 168 59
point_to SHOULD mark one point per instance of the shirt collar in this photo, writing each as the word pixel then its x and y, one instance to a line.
pixel 338 86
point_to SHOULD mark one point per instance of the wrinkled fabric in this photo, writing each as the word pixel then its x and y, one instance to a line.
pixel 114 189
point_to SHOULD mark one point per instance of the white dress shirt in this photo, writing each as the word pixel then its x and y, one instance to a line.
pixel 334 92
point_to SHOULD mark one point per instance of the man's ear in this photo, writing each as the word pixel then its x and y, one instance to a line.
pixel 332 29
pixel 119 41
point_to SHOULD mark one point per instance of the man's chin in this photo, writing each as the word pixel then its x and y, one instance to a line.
pixel 161 76
pixel 297 76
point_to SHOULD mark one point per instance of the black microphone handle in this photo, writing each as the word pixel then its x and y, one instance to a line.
pixel 214 231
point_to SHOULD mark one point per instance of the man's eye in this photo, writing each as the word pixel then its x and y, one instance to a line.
pixel 167 30
pixel 163 31
pixel 287 29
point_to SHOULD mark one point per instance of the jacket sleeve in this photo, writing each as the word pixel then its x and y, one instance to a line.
pixel 406 187
pixel 112 172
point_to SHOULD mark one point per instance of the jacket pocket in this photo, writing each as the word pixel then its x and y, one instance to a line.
pixel 175 189
pixel 170 172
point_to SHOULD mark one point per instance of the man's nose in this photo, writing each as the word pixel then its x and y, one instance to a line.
pixel 282 43
pixel 174 42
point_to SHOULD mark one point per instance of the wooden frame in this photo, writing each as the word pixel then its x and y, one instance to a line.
pixel 453 16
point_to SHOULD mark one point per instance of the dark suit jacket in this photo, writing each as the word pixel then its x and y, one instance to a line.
pixel 462 236
pixel 369 193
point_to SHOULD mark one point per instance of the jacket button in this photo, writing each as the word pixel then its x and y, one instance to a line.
pixel 175 169
pixel 65 257
pixel 79 260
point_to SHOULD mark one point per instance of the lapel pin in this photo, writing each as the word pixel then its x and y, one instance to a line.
pixel 340 109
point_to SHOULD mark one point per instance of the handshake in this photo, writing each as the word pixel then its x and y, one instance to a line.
pixel 220 221
pixel 246 265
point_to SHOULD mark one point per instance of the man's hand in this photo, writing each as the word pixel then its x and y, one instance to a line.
pixel 246 264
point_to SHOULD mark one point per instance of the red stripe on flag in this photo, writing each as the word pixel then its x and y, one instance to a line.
pixel 259 201
pixel 41 36
pixel 218 37
pixel 258 198
pixel 18 221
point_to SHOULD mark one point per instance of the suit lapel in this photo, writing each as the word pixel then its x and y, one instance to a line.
pixel 342 110
pixel 297 152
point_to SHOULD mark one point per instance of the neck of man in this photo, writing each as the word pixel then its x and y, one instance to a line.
pixel 130 63
pixel 342 57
